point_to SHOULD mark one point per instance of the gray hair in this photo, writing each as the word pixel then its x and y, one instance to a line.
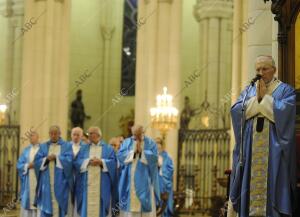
pixel 263 58
pixel 137 128
pixel 96 130
pixel 54 128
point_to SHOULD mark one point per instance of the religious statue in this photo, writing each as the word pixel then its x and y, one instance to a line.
pixel 78 115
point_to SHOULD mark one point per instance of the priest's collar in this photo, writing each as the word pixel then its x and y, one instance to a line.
pixel 60 141
pixel 98 144
pixel 35 145
pixel 77 144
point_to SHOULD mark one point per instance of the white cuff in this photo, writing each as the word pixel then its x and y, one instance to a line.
pixel 230 210
pixel 25 169
pixel 252 107
pixel 84 165
pixel 58 163
pixel 266 107
pixel 143 158
pixel 43 167
pixel 129 158
pixel 104 166
pixel 160 171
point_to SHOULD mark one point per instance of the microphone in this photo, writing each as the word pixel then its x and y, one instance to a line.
pixel 257 77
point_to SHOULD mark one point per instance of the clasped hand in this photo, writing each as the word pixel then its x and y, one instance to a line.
pixel 95 162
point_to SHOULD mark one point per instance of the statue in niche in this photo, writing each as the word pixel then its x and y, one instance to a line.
pixel 186 114
pixel 78 115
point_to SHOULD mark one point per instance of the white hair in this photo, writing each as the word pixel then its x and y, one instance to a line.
pixel 77 129
pixel 262 58
pixel 95 129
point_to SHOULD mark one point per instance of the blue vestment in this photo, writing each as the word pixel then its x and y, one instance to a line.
pixel 281 166
pixel 145 177
pixel 63 179
pixel 166 182
pixel 105 184
pixel 26 201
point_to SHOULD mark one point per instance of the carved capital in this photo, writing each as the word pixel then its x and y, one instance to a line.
pixel 213 9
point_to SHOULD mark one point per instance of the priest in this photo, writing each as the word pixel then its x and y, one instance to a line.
pixel 165 175
pixel 27 176
pixel 138 186
pixel 96 164
pixel 53 166
pixel 266 184
pixel 76 143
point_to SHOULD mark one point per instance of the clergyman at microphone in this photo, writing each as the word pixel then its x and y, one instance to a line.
pixel 268 177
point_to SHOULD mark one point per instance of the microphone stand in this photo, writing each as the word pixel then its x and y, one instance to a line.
pixel 241 154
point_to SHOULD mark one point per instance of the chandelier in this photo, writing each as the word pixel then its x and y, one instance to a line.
pixel 3 109
pixel 164 116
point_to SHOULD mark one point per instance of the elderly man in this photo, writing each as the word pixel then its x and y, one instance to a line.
pixel 76 137
pixel 165 174
pixel 96 163
pixel 53 165
pixel 139 178
pixel 27 176
pixel 268 176
pixel 76 143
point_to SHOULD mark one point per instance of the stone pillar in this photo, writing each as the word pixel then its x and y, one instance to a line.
pixel 158 62
pixel 107 34
pixel 275 41
pixel 13 12
pixel 259 34
pixel 45 67
pixel 215 21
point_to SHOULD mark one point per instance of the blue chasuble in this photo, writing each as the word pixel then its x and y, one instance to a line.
pixel 25 178
pixel 166 181
pixel 63 179
pixel 145 177
pixel 281 158
pixel 105 182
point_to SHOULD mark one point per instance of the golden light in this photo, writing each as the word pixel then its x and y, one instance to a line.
pixel 164 116
pixel 3 109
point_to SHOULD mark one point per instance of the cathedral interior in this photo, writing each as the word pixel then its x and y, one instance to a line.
pixel 110 63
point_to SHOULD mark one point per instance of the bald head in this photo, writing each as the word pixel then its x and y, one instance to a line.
pixel 265 66
pixel 76 134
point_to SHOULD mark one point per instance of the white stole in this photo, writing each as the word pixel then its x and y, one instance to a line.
pixel 53 149
pixel 94 183
pixel 32 178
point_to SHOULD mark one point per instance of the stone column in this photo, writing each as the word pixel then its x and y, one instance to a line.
pixel 13 12
pixel 45 66
pixel 215 21
pixel 259 34
pixel 158 62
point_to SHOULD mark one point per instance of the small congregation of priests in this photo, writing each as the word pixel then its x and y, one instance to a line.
pixel 86 177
